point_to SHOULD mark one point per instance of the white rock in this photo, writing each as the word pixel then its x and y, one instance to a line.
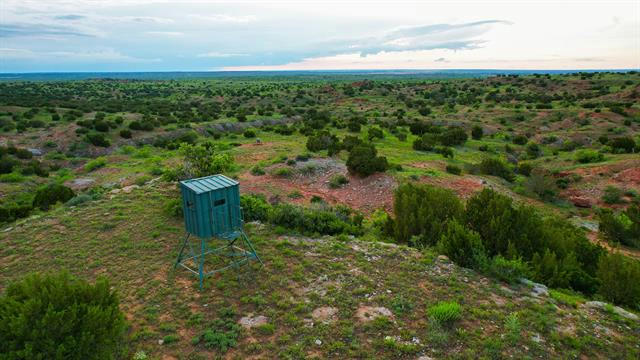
pixel 318 342
pixel 618 310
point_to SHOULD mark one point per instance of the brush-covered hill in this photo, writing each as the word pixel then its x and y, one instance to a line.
pixel 330 297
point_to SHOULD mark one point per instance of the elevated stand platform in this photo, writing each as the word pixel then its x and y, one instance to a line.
pixel 236 251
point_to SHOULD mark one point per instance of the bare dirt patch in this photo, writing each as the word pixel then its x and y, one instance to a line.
pixel 324 314
pixel 463 186
pixel 368 313
pixel 311 178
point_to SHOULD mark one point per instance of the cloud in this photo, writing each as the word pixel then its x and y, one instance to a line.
pixel 16 30
pixel 146 19
pixel 465 36
pixel 225 18
pixel 105 55
pixel 69 17
pixel 165 33
pixel 425 37
pixel 442 60
pixel 215 54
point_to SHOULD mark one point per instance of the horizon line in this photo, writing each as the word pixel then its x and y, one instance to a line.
pixel 309 70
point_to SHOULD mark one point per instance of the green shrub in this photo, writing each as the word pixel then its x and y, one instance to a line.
pixel 321 141
pixel 325 221
pixel 7 164
pixel 541 183
pixel 283 172
pixel 95 164
pixel 453 136
pixel 499 223
pixel 201 160
pixel 477 132
pixel 12 211
pixel 496 167
pixel 141 180
pixel 79 200
pixel 255 207
pixel 462 246
pixel 623 144
pixel 337 181
pixel 24 154
pixel 125 134
pixel 619 278
pixel 98 139
pixel 510 271
pixel 363 160
pixel 525 168
pixel 173 207
pixel 586 156
pixel 257 170
pixel 51 194
pixel 421 213
pixel 622 227
pixel 612 195
pixel 223 333
pixel 520 140
pixel 452 169
pixel 445 312
pixel 249 133
pixel 61 317
pixel 375 133
pixel 12 178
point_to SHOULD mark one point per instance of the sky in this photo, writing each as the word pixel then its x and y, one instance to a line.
pixel 192 35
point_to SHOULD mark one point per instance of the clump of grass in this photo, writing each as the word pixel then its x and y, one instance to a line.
pixel 79 200
pixel 400 305
pixel 142 180
pixel 257 170
pixel 566 298
pixel 337 181
pixel 12 178
pixel 283 172
pixel 295 195
pixel 170 339
pixel 95 164
pixel 223 332
pixel 308 170
pixel 513 327
pixel 612 195
pixel 445 312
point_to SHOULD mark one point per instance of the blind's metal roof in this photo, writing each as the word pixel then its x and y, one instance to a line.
pixel 208 183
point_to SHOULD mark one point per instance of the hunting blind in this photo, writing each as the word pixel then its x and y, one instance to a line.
pixel 211 207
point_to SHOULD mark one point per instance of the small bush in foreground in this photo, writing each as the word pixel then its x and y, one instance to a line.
pixel 60 317
pixel 254 207
pixel 51 194
pixel 445 312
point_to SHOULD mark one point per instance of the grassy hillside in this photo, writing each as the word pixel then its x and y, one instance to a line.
pixel 330 297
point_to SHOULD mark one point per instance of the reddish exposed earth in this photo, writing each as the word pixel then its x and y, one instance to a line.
pixel 364 194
